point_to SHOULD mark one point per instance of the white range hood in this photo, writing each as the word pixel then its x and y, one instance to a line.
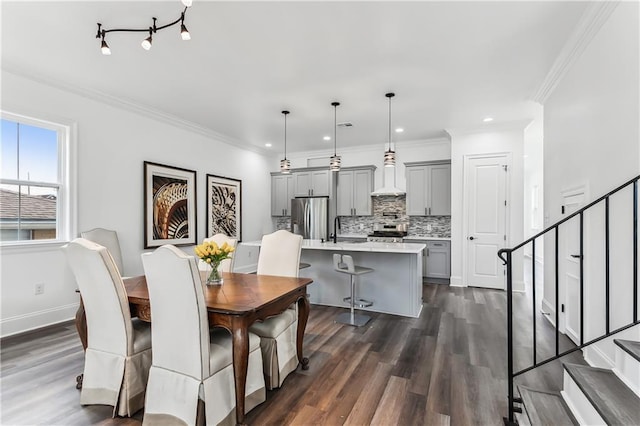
pixel 389 181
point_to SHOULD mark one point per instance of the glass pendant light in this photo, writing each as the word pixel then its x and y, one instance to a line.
pixel 334 163
pixel 390 155
pixel 285 165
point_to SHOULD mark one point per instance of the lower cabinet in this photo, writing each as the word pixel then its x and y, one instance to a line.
pixel 436 260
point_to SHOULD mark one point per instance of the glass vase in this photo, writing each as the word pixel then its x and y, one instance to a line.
pixel 214 278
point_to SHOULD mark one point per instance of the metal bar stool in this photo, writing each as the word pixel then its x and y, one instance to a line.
pixel 344 263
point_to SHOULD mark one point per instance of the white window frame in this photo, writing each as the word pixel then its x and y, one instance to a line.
pixel 67 197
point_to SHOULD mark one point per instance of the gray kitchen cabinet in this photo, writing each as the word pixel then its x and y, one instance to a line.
pixel 354 191
pixel 281 194
pixel 311 183
pixel 437 260
pixel 428 189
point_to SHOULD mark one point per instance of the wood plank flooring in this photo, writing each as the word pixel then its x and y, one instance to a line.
pixel 447 367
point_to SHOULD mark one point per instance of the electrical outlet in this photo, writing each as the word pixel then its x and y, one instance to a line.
pixel 428 227
pixel 361 226
pixel 39 289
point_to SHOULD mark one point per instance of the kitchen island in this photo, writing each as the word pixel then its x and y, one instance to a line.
pixel 394 287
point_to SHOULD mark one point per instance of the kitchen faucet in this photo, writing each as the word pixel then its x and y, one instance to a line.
pixel 336 227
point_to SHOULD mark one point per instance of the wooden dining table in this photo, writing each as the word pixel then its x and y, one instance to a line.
pixel 240 301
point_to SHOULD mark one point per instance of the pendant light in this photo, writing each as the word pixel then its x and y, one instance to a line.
pixel 334 163
pixel 390 155
pixel 285 165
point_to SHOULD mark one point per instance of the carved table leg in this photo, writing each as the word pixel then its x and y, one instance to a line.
pixel 303 316
pixel 240 337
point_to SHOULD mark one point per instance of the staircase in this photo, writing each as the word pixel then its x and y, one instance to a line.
pixel 591 395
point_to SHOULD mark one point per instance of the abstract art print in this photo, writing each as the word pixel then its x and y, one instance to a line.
pixel 169 205
pixel 224 206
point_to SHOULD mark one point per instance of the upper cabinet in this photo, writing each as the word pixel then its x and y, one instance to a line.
pixel 354 191
pixel 281 194
pixel 428 189
pixel 312 183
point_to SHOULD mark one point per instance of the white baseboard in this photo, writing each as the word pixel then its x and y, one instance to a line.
pixel 596 358
pixel 456 282
pixel 34 320
pixel 547 307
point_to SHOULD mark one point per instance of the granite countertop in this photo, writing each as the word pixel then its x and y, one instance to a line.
pixel 356 246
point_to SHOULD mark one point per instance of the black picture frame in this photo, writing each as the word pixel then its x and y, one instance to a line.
pixel 224 206
pixel 170 214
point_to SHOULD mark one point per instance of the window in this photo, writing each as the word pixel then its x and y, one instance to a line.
pixel 35 196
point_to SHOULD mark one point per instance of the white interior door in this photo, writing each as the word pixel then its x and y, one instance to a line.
pixel 486 196
pixel 570 268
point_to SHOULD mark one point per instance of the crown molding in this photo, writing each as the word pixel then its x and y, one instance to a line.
pixel 507 126
pixel 594 17
pixel 134 107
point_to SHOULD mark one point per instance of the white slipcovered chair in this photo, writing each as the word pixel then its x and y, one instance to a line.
pixel 279 255
pixel 108 239
pixel 118 354
pixel 190 362
pixel 227 264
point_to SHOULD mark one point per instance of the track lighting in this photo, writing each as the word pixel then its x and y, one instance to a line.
pixel 147 42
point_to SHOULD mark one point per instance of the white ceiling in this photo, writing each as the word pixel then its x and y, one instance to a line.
pixel 450 63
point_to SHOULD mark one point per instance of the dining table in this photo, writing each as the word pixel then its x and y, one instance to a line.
pixel 234 305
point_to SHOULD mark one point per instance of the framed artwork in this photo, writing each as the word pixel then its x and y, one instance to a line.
pixel 224 206
pixel 169 205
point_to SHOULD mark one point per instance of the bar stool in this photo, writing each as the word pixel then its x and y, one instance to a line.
pixel 344 263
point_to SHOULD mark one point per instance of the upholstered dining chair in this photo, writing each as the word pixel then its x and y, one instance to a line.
pixel 118 353
pixel 227 264
pixel 109 239
pixel 190 362
pixel 279 255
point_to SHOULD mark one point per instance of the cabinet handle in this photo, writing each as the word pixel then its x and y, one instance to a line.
pixel 429 211
pixel 427 252
pixel 425 211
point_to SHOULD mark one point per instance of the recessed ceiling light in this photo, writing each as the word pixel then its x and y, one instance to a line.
pixel 487 119
pixel 399 130
pixel 268 145
pixel 327 138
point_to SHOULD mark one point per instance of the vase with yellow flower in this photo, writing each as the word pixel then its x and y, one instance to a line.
pixel 212 255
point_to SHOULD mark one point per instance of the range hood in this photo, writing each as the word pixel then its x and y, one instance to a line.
pixel 389 180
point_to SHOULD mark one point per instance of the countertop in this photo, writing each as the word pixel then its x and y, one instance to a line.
pixel 356 246
pixel 408 237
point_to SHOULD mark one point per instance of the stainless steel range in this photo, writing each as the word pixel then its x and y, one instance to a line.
pixel 386 236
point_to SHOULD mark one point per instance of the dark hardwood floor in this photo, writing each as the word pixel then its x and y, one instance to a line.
pixel 446 367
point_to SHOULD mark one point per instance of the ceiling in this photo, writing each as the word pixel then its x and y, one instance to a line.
pixel 451 64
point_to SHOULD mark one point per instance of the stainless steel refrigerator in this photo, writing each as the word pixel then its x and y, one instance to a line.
pixel 310 217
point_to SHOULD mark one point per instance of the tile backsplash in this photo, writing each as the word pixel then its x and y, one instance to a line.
pixel 428 226
pixel 440 226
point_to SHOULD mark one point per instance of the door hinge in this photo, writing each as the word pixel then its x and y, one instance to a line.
pixel 504 166
pixel 505 202
pixel 562 307
pixel 505 237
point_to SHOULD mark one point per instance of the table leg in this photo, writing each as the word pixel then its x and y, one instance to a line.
pixel 240 337
pixel 303 316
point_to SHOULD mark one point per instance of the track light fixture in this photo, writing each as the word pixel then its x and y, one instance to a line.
pixel 146 43
pixel 334 161
pixel 285 165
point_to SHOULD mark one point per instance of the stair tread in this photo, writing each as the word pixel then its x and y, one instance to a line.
pixel 629 346
pixel 545 407
pixel 613 400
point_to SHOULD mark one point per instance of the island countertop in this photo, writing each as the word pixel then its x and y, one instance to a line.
pixel 376 247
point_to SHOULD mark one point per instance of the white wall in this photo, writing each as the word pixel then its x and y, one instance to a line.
pixel 592 138
pixel 499 138
pixel 112 145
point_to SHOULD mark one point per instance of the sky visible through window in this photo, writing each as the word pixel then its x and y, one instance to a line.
pixel 38 154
